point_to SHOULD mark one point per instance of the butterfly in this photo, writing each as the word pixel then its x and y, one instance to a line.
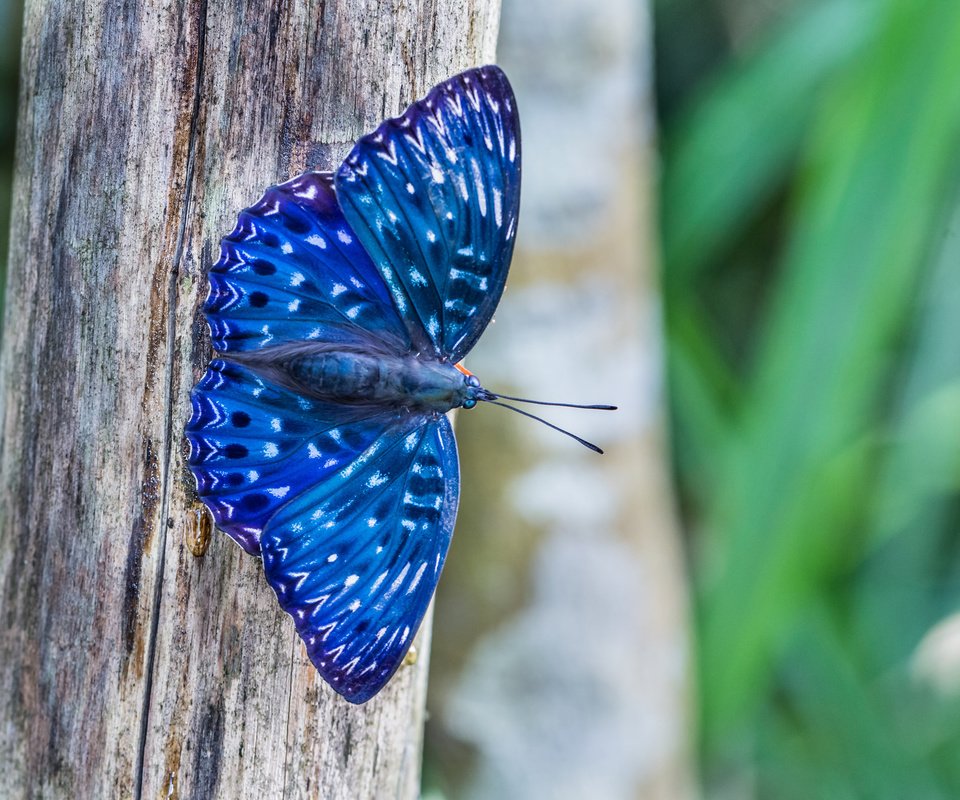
pixel 339 310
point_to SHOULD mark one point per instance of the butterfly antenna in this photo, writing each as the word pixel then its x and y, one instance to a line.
pixel 600 407
pixel 584 442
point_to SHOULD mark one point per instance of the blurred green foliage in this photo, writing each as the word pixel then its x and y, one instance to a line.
pixel 811 240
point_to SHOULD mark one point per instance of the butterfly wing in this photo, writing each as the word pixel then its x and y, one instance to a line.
pixel 351 508
pixel 355 560
pixel 434 196
pixel 293 270
pixel 255 446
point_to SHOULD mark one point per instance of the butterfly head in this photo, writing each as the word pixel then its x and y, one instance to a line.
pixel 474 392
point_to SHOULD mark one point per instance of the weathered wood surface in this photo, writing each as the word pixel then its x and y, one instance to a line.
pixel 128 665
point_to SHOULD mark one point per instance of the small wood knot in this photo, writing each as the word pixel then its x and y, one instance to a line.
pixel 199 530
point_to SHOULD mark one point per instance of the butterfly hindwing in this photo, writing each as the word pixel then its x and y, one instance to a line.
pixel 255 446
pixel 434 197
pixel 356 560
pixel 293 270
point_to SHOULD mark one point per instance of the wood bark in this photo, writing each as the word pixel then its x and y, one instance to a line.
pixel 133 663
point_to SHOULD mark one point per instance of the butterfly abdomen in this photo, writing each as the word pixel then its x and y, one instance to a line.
pixel 395 381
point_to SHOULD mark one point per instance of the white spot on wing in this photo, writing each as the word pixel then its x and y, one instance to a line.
pixel 398 582
pixel 416 577
pixel 380 579
pixel 377 479
pixel 462 186
pixel 416 277
pixel 478 184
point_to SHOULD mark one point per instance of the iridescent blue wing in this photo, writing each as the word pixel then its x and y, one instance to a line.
pixel 433 196
pixel 292 270
pixel 255 446
pixel 356 559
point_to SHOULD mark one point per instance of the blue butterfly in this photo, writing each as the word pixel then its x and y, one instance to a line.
pixel 339 309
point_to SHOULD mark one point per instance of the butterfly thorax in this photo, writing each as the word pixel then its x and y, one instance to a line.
pixel 354 376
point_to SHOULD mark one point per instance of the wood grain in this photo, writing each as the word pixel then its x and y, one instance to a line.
pixel 130 665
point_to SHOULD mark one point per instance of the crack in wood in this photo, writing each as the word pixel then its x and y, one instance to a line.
pixel 169 391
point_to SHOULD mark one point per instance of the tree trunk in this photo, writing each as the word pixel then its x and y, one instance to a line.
pixel 132 663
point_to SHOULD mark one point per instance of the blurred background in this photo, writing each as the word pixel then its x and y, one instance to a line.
pixel 811 274
pixel 804 317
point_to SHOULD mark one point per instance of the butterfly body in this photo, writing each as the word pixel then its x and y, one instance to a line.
pixel 338 308
pixel 364 377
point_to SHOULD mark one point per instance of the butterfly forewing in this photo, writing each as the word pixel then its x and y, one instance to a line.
pixel 434 197
pixel 292 270
pixel 356 560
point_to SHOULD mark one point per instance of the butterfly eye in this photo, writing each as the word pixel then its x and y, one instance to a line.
pixel 469 403
pixel 474 381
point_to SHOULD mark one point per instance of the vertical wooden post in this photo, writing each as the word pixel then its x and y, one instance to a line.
pixel 128 665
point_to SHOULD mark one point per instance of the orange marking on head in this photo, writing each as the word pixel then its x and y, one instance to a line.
pixel 463 369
